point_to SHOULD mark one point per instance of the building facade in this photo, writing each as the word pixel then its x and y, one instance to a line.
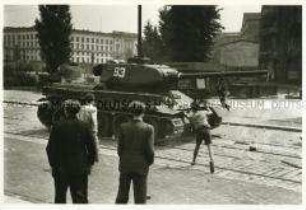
pixel 250 27
pixel 267 40
pixel 240 50
pixel 88 47
pixel 281 42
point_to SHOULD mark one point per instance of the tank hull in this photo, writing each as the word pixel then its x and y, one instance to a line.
pixel 112 110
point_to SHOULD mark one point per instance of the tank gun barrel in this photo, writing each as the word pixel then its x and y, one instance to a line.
pixel 226 73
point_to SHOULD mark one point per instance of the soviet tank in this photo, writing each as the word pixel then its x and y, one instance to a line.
pixel 121 83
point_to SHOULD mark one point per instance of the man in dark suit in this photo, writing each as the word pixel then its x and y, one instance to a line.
pixel 136 153
pixel 71 152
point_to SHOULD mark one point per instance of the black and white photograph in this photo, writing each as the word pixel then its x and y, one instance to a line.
pixel 152 104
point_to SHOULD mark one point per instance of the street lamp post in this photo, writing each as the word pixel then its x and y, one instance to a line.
pixel 139 46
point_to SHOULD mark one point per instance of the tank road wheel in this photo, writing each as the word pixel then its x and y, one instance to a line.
pixel 154 123
pixel 104 124
pixel 117 121
pixel 166 128
pixel 45 113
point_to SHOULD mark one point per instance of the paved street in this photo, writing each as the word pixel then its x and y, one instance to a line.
pixel 269 175
pixel 27 175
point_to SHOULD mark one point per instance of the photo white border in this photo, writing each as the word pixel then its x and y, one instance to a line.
pixel 148 2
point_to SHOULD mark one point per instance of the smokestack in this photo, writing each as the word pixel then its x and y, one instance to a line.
pixel 139 45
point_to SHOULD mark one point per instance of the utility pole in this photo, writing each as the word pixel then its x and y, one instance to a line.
pixel 139 45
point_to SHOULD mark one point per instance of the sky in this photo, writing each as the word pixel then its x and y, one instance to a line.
pixel 108 18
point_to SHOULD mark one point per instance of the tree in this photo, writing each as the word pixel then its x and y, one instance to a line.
pixel 53 30
pixel 188 32
pixel 152 43
pixel 281 41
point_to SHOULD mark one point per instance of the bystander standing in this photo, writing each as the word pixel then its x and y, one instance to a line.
pixel 71 152
pixel 136 154
pixel 88 115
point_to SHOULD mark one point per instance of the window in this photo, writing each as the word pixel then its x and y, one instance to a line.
pixel 87 39
pixel 101 41
pixel 93 40
pixel 77 39
pixel 97 40
pixel 82 39
pixel 92 47
pixel 106 41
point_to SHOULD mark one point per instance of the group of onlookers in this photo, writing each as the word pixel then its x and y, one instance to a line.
pixel 72 149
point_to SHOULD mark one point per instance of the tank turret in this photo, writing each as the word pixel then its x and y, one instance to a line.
pixel 136 76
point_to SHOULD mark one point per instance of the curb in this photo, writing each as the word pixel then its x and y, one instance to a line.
pixel 21 103
pixel 271 127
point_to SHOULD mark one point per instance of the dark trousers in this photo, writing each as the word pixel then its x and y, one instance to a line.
pixel 78 185
pixel 139 186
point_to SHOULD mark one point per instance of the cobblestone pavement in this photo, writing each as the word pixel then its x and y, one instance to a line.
pixel 274 164
pixel 27 175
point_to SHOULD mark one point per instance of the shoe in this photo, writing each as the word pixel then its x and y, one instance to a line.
pixel 211 167
pixel 148 197
pixel 192 163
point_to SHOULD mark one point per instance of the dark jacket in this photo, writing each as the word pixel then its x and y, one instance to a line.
pixel 136 147
pixel 71 147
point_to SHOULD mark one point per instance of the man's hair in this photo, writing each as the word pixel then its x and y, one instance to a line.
pixel 89 97
pixel 72 107
pixel 194 106
pixel 137 108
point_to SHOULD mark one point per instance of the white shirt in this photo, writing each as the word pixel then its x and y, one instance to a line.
pixel 88 114
pixel 200 118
